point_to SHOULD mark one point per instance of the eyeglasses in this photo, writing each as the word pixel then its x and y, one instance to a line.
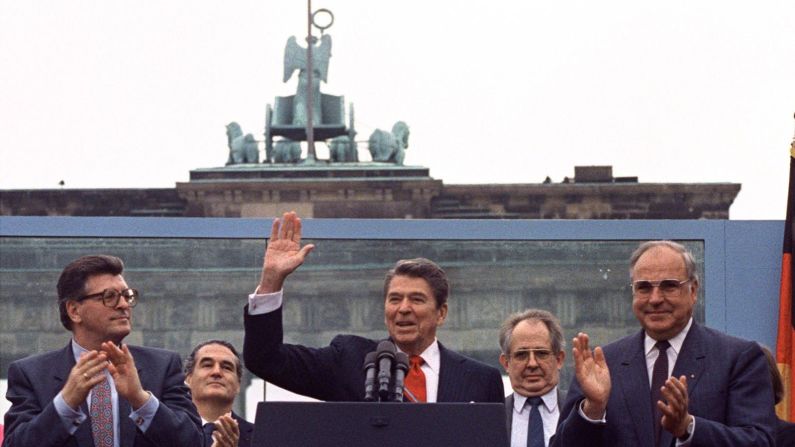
pixel 667 286
pixel 524 355
pixel 110 297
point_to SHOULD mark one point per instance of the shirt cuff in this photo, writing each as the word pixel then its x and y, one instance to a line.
pixel 592 421
pixel 143 416
pixel 687 441
pixel 71 419
pixel 263 303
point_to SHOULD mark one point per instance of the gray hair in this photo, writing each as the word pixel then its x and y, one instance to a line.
pixel 550 320
pixel 687 257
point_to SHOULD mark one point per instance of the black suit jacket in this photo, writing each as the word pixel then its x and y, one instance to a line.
pixel 246 431
pixel 32 420
pixel 334 373
pixel 729 391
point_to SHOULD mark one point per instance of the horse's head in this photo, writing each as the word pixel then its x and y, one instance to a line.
pixel 401 132
pixel 233 130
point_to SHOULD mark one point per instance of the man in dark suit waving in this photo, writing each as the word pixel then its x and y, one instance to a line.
pixel 415 305
pixel 675 382
pixel 97 391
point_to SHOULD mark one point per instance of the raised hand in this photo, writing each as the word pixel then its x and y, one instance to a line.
pixel 592 374
pixel 125 374
pixel 86 374
pixel 226 432
pixel 283 254
pixel 675 417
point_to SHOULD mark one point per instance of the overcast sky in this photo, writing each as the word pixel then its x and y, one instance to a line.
pixel 121 94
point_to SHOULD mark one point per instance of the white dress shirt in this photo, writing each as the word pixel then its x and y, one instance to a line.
pixel 521 417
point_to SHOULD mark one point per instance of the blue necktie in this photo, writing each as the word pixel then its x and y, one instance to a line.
pixel 208 429
pixel 535 428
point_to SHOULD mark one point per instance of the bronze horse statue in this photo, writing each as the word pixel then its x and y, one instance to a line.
pixel 242 148
pixel 390 147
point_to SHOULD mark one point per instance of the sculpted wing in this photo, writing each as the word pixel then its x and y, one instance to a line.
pixel 294 58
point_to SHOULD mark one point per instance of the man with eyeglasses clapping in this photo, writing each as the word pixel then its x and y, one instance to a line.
pixel 531 345
pixel 675 382
pixel 97 391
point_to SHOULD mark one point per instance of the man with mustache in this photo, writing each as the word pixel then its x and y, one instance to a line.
pixel 532 354
pixel 675 382
pixel 415 305
pixel 96 391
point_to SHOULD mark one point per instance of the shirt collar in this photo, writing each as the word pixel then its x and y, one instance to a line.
pixel 676 341
pixel 77 350
pixel 550 400
pixel 431 356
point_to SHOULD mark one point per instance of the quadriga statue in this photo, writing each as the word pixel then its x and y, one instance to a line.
pixel 390 147
pixel 242 148
pixel 342 149
pixel 286 151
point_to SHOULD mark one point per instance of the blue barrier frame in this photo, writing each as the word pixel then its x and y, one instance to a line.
pixel 742 258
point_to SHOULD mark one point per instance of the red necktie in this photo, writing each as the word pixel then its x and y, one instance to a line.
pixel 415 380
pixel 102 415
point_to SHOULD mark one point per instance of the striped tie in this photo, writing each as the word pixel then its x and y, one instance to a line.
pixel 415 380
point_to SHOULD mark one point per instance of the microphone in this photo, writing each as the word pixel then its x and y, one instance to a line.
pixel 385 354
pixel 401 368
pixel 369 373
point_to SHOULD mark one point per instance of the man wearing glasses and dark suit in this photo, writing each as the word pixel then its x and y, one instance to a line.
pixel 675 382
pixel 532 355
pixel 97 391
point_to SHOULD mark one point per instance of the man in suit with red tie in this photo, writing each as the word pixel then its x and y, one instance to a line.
pixel 213 372
pixel 97 391
pixel 532 354
pixel 415 305
pixel 675 382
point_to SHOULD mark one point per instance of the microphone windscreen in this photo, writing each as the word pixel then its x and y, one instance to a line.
pixel 386 349
pixel 402 360
pixel 369 359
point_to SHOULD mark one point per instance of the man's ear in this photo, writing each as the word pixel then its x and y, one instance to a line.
pixel 504 361
pixel 73 311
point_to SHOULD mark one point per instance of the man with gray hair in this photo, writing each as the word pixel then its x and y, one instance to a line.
pixel 673 382
pixel 531 344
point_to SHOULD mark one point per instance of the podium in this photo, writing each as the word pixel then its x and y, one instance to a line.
pixel 368 424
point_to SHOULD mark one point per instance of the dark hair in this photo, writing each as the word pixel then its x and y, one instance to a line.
pixel 687 257
pixel 72 282
pixel 775 375
pixel 425 269
pixel 550 320
pixel 190 362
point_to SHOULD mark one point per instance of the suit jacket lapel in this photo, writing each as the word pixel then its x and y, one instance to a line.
pixel 509 412
pixel 246 430
pixel 690 363
pixel 65 363
pixel 450 389
pixel 633 377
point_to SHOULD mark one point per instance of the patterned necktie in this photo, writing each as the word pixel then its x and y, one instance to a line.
pixel 102 415
pixel 415 380
pixel 658 376
pixel 535 427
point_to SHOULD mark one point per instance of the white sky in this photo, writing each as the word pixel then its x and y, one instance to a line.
pixel 121 94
